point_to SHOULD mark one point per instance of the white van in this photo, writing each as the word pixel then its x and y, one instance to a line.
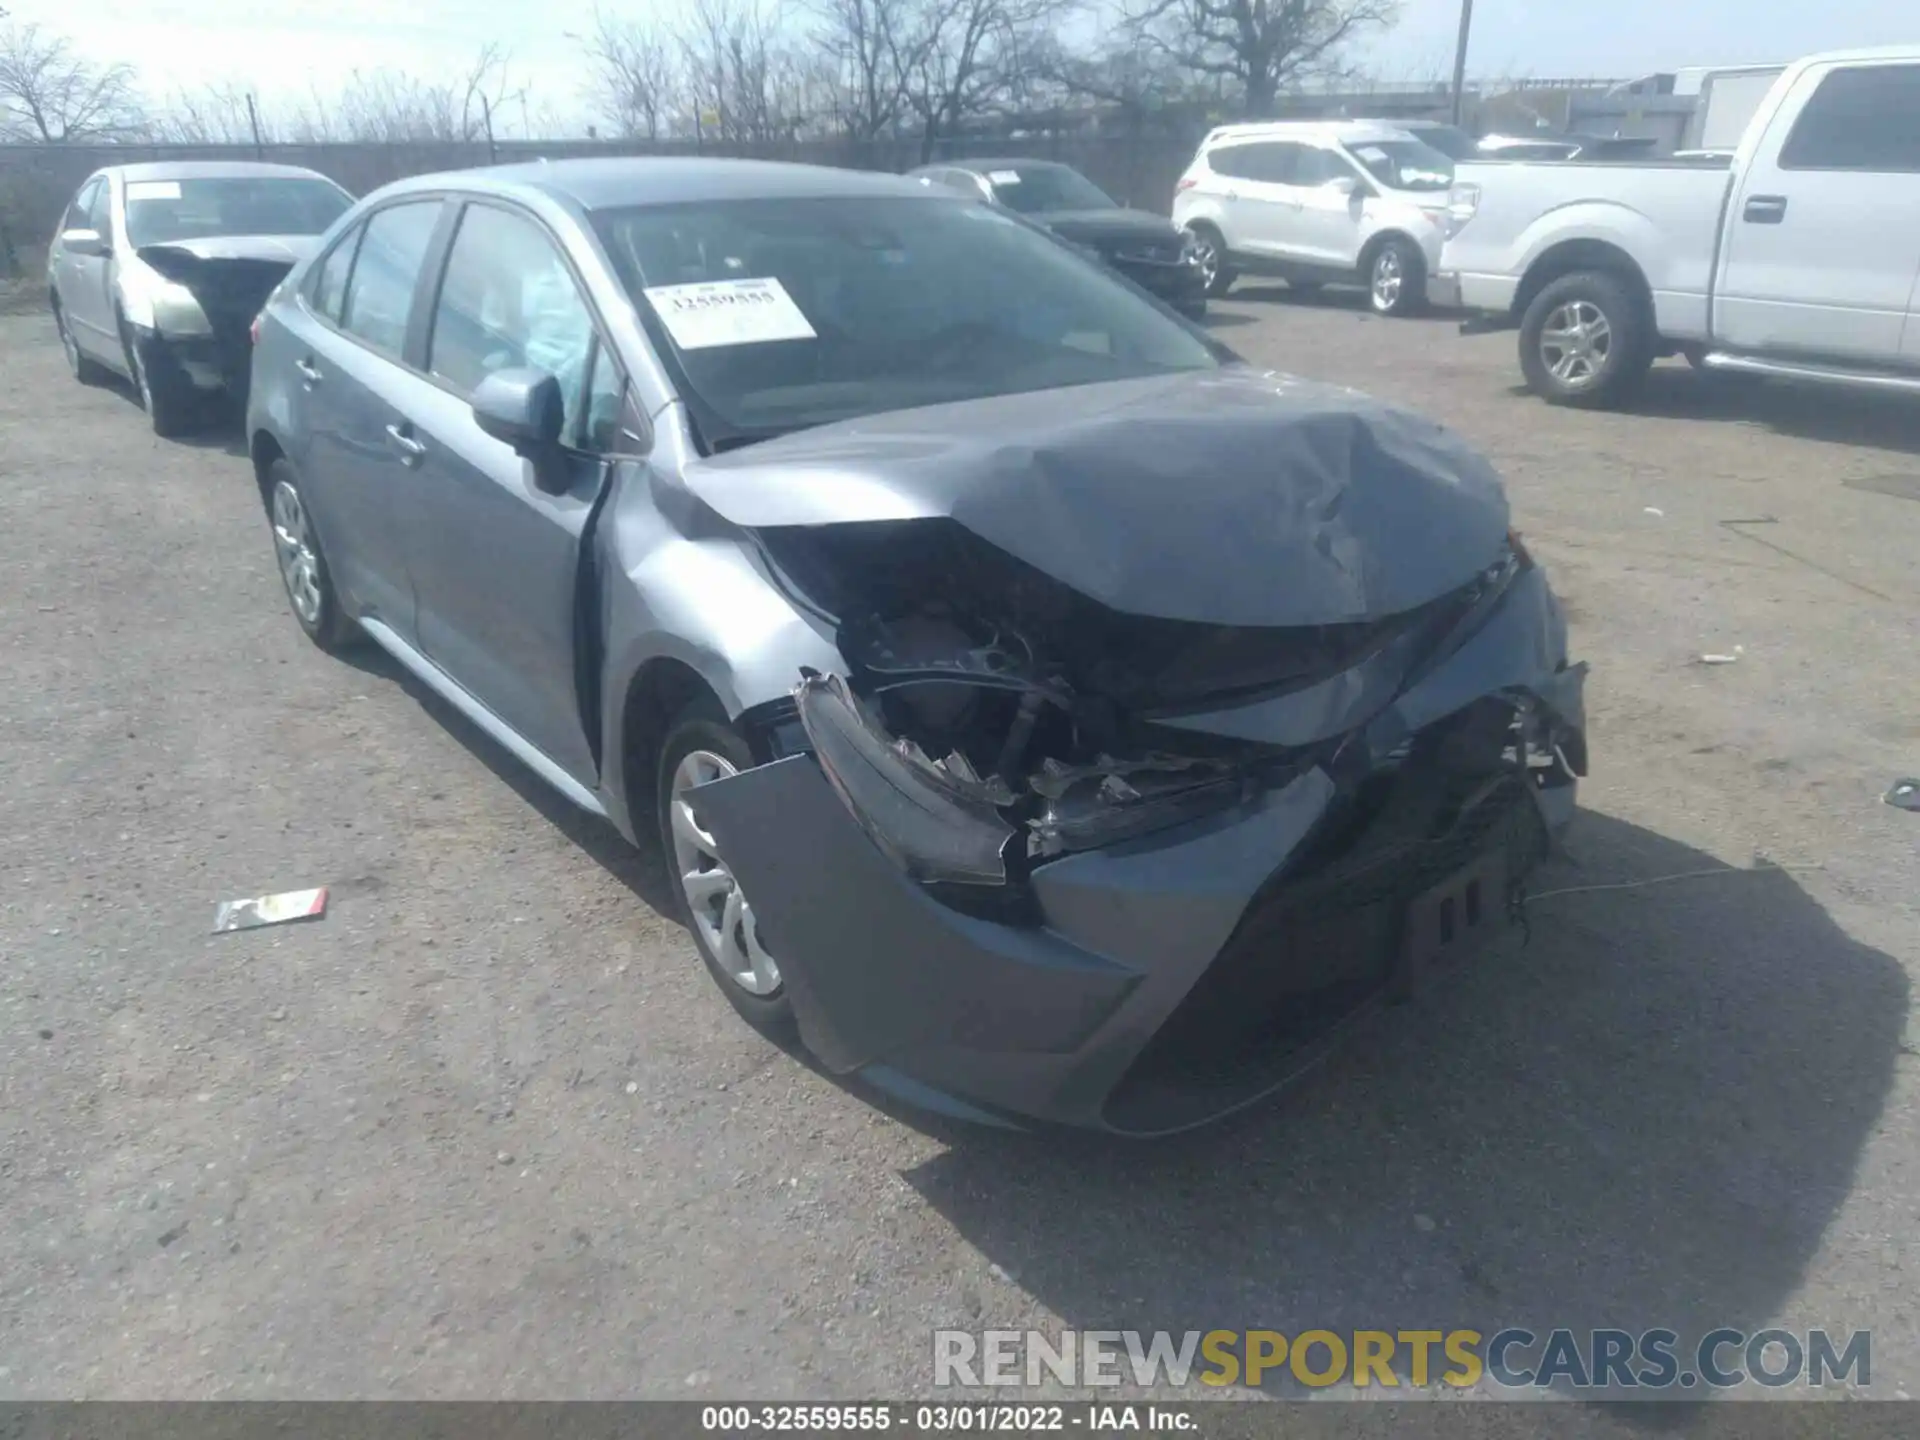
pixel 1318 203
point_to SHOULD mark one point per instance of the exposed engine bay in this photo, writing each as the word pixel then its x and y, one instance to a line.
pixel 1029 718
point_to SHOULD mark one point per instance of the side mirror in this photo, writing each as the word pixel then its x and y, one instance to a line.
pixel 1344 185
pixel 84 242
pixel 524 409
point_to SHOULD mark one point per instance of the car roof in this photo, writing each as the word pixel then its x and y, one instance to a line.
pixel 210 170
pixel 1011 162
pixel 1347 132
pixel 617 182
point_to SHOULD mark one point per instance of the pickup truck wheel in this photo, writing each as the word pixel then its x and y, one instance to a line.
pixel 701 746
pixel 1397 278
pixel 1210 253
pixel 1586 340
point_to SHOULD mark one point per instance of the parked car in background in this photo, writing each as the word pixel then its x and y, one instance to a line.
pixel 1450 140
pixel 1047 713
pixel 1318 203
pixel 1144 247
pixel 158 270
pixel 1799 260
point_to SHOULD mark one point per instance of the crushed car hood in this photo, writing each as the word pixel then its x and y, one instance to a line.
pixel 287 249
pixel 1225 497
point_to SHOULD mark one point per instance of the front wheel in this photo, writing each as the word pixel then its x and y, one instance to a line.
pixel 1397 278
pixel 701 747
pixel 1586 340
pixel 165 393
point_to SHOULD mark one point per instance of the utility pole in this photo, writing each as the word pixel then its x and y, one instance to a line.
pixel 1460 58
pixel 253 119
pixel 486 116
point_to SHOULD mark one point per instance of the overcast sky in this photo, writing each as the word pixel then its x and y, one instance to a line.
pixel 295 45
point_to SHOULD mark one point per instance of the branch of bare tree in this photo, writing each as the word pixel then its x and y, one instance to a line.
pixel 1264 44
pixel 50 94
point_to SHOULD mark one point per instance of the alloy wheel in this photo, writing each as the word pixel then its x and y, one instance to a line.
pixel 1389 275
pixel 1207 254
pixel 1576 343
pixel 714 901
pixel 293 544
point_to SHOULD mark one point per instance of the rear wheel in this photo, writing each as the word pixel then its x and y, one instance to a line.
pixel 1586 340
pixel 1397 278
pixel 700 747
pixel 303 565
pixel 84 369
pixel 1210 253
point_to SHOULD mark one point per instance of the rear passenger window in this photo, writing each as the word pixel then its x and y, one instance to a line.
pixel 1863 118
pixel 393 246
pixel 1230 161
pixel 509 302
pixel 329 284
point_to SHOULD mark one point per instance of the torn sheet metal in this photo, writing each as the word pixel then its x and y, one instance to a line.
pixel 281 909
pixel 1225 497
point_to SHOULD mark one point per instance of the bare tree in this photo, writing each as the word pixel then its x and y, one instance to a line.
pixel 1262 44
pixel 964 57
pixel 870 46
pixel 635 82
pixel 387 107
pixel 740 72
pixel 215 115
pixel 50 94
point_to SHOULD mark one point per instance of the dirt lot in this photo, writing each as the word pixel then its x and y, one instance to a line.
pixel 487 1130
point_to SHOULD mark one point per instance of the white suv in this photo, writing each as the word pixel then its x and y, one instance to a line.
pixel 1323 203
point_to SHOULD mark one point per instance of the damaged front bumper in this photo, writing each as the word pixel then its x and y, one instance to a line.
pixel 1188 968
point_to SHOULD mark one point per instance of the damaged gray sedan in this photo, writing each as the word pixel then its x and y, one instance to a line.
pixel 1049 715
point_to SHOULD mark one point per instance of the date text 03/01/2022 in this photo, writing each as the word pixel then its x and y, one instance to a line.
pixel 943 1418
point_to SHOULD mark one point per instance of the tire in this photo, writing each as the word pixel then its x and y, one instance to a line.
pixel 700 744
pixel 1612 357
pixel 1213 248
pixel 1194 310
pixel 1397 278
pixel 303 564
pixel 83 367
pixel 165 392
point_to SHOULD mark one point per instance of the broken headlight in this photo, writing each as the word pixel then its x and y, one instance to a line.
pixel 936 823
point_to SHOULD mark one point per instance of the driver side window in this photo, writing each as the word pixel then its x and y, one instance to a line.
pixel 79 213
pixel 100 211
pixel 508 301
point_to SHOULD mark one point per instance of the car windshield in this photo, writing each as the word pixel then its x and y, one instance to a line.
pixel 779 314
pixel 1031 189
pixel 164 211
pixel 1404 164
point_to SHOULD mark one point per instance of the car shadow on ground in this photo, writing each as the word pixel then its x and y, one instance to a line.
pixel 1647 1115
pixel 1674 390
pixel 642 870
pixel 221 427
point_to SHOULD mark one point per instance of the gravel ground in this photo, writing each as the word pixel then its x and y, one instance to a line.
pixel 488 1131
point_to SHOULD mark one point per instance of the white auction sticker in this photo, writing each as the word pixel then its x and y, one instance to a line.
pixel 1004 177
pixel 728 312
pixel 153 190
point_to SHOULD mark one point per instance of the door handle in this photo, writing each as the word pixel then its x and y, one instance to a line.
pixel 1765 209
pixel 309 372
pixel 410 449
pixel 1233 194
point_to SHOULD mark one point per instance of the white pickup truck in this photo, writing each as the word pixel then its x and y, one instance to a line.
pixel 1801 260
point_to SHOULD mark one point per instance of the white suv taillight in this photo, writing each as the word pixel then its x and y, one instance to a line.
pixel 1187 182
